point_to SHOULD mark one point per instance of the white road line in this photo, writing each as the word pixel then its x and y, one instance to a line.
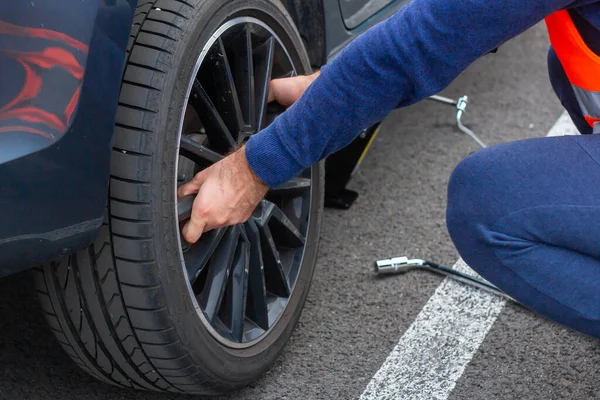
pixel 435 350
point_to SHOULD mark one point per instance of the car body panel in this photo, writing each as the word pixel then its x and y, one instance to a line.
pixel 355 12
pixel 55 148
pixel 338 35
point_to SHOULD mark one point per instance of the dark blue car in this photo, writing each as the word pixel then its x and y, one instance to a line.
pixel 106 107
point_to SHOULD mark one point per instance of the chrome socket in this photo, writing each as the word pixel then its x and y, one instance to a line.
pixel 397 265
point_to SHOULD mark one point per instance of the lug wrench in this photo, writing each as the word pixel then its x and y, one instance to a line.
pixel 461 107
pixel 401 265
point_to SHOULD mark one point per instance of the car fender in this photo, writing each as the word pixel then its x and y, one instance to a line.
pixel 62 65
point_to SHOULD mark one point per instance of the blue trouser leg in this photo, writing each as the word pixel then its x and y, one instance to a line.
pixel 526 216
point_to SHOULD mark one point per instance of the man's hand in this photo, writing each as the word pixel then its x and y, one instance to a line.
pixel 228 192
pixel 287 90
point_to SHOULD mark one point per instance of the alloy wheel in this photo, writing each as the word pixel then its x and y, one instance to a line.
pixel 241 277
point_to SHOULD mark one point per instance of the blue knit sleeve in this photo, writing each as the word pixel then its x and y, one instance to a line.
pixel 413 54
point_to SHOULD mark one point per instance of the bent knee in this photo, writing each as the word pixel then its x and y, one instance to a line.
pixel 471 196
pixel 464 193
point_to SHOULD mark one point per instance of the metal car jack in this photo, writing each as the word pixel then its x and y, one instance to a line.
pixel 461 106
pixel 401 265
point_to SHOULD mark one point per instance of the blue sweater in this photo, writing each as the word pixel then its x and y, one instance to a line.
pixel 413 54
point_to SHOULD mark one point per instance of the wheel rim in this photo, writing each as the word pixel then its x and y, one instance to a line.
pixel 241 278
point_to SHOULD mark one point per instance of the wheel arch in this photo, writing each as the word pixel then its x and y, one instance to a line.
pixel 309 17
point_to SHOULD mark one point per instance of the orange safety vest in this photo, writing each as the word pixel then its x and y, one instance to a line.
pixel 580 63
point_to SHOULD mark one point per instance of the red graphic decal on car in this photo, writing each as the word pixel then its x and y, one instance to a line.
pixel 33 109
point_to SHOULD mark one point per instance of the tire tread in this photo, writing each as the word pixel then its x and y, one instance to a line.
pixel 92 300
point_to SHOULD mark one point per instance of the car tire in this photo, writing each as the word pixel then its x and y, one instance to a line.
pixel 126 309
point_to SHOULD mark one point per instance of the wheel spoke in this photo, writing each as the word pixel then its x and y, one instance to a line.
pixel 218 273
pixel 276 276
pixel 263 66
pixel 237 290
pixel 216 78
pixel 256 308
pixel 216 129
pixel 286 232
pixel 184 207
pixel 199 253
pixel 282 66
pixel 276 280
pixel 197 152
pixel 231 103
pixel 280 225
pixel 292 187
pixel 242 69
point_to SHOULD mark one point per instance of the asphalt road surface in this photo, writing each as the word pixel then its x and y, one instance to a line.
pixel 352 320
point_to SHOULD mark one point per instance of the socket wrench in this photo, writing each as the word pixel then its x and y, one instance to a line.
pixel 401 265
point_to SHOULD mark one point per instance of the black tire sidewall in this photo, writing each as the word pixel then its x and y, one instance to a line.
pixel 231 367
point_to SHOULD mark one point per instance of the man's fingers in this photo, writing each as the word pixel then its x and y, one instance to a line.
pixel 283 91
pixel 286 91
pixel 187 189
pixel 192 186
pixel 193 229
pixel 272 89
pixel 200 217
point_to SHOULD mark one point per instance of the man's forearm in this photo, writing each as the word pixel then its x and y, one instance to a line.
pixel 414 54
